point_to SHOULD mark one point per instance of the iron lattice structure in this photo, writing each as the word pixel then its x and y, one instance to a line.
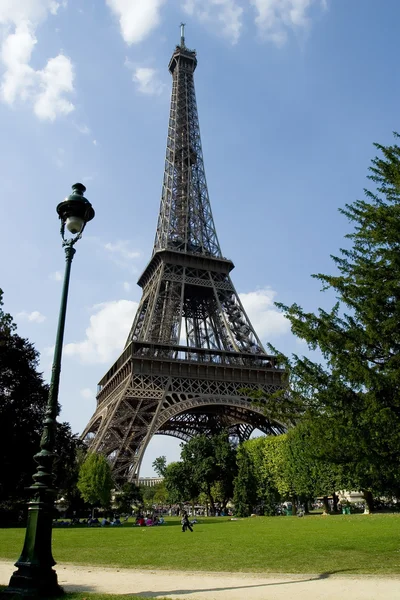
pixel 192 350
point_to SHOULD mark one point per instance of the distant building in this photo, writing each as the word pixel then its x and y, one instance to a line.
pixel 150 481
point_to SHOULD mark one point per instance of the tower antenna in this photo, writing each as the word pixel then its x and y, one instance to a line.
pixel 183 35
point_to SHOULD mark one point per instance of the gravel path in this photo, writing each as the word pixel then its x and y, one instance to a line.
pixel 220 586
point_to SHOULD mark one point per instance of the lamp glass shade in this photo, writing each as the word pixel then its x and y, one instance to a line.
pixel 74 224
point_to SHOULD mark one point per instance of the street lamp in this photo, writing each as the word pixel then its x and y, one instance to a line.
pixel 35 577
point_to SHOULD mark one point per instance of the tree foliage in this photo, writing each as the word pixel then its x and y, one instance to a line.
pixel 130 495
pixel 23 399
pixel 272 470
pixel 353 395
pixel 95 481
pixel 160 465
pixel 245 484
pixel 178 485
pixel 207 468
pixel 208 461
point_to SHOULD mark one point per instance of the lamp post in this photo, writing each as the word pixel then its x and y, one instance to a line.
pixel 35 577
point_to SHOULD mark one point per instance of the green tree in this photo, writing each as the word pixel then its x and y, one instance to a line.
pixel 311 475
pixel 277 481
pixel 211 460
pixel 177 484
pixel 70 453
pixel 353 396
pixel 130 495
pixel 161 494
pixel 245 484
pixel 160 466
pixel 23 399
pixel 155 494
pixel 95 481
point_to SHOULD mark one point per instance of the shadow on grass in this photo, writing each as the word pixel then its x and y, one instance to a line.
pixel 183 592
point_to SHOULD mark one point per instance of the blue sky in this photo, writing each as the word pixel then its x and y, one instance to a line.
pixel 291 96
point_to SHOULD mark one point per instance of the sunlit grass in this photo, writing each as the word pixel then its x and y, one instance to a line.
pixel 333 544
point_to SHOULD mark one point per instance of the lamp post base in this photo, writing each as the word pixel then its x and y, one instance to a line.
pixel 35 578
pixel 32 583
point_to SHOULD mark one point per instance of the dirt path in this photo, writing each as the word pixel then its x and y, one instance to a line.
pixel 220 586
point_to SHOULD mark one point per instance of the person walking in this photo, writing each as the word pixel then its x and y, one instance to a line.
pixel 185 522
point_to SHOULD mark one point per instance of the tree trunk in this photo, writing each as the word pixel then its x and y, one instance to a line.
pixel 369 502
pixel 326 505
pixel 306 507
pixel 335 502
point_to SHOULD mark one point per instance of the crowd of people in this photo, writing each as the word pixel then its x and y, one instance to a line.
pixel 140 520
pixel 90 521
pixel 149 520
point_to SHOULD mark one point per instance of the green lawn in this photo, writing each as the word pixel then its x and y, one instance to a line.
pixel 313 544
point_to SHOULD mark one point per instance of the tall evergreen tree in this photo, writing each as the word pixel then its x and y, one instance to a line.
pixel 353 397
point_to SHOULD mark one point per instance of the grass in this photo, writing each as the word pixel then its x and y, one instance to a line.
pixel 314 544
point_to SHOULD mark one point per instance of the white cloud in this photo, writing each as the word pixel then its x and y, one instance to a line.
pixel 19 77
pixel 127 286
pixel 34 317
pixel 147 81
pixel 122 249
pixel 227 13
pixel 56 78
pixel 107 332
pixel 84 129
pixel 276 17
pixel 44 88
pixel 15 11
pixel 56 276
pixel 87 393
pixel 137 18
pixel 94 142
pixel 54 6
pixel 265 318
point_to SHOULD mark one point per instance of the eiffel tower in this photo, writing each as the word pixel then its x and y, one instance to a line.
pixel 192 350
